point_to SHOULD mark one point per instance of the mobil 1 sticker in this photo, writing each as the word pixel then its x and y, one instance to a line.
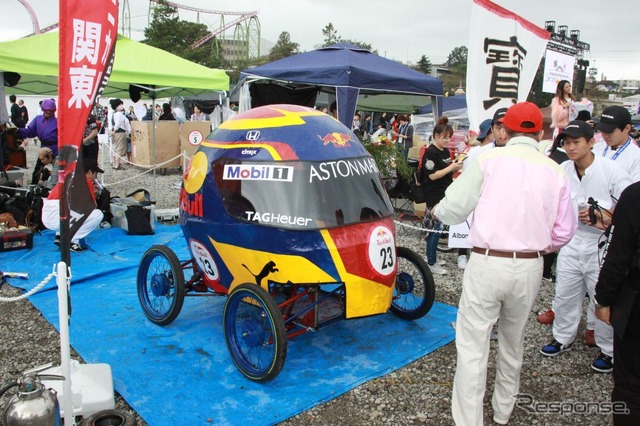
pixel 382 250
pixel 204 260
pixel 258 172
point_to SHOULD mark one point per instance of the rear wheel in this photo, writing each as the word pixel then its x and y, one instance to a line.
pixel 415 290
pixel 161 287
pixel 255 332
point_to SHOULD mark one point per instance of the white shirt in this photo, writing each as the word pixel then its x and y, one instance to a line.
pixel 120 121
pixel 602 180
pixel 629 159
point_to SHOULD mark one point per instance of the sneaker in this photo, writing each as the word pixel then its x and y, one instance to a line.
pixel 441 262
pixel 549 278
pixel 56 240
pixel 603 364
pixel 77 248
pixel 437 269
pixel 105 225
pixel 590 338
pixel 546 317
pixel 462 261
pixel 555 348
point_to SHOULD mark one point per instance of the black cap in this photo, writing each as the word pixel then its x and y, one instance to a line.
pixel 613 117
pixel 90 164
pixel 577 129
pixel 500 112
pixel 584 115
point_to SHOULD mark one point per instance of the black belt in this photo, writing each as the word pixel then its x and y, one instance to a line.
pixel 511 254
pixel 120 131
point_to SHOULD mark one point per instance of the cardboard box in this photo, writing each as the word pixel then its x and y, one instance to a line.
pixel 192 133
pixel 16 240
pixel 167 144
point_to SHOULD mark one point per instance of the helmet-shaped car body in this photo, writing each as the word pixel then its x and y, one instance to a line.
pixel 289 194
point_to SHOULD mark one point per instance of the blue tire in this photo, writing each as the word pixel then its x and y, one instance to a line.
pixel 415 290
pixel 255 333
pixel 161 287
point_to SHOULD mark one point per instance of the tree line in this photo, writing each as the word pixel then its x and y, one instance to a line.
pixel 168 32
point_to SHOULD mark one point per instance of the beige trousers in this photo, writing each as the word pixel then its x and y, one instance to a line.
pixel 493 289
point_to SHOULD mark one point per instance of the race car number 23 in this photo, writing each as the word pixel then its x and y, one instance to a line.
pixel 382 250
pixel 205 260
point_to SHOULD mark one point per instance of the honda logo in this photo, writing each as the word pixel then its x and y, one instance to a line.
pixel 253 135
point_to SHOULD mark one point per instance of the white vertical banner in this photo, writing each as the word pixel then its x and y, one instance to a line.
pixel 504 53
pixel 557 66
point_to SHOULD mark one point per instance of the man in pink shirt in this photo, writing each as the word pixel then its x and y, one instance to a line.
pixel 531 193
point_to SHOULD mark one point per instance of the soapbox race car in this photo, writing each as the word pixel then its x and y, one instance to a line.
pixel 284 212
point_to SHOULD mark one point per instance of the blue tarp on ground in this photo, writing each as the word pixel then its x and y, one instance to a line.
pixel 182 373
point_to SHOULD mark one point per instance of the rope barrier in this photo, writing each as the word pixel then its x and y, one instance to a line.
pixel 149 170
pixel 435 231
pixel 33 290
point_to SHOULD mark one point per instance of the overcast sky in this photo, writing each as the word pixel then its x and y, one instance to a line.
pixel 402 29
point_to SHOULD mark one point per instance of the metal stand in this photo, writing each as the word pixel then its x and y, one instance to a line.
pixel 88 388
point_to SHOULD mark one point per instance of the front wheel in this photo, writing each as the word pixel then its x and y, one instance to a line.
pixel 255 332
pixel 161 285
pixel 415 289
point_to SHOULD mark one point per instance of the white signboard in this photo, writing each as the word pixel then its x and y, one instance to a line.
pixel 458 234
pixel 557 66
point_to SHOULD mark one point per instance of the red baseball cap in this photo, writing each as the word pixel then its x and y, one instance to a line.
pixel 523 117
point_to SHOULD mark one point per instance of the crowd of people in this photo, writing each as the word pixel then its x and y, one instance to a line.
pixel 551 198
pixel 531 202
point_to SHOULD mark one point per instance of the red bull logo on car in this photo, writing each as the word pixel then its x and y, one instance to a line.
pixel 191 204
pixel 337 139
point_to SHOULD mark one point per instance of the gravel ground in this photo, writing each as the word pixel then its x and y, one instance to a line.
pixel 419 393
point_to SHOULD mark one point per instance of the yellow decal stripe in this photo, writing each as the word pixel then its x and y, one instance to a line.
pixel 287 118
pixel 269 148
pixel 292 268
pixel 364 297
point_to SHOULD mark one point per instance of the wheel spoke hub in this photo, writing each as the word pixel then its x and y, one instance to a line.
pixel 160 284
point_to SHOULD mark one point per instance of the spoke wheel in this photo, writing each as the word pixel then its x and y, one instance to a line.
pixel 415 290
pixel 255 333
pixel 161 287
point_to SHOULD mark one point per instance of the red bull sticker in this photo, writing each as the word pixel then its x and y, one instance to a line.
pixel 195 137
pixel 382 250
pixel 340 140
pixel 204 260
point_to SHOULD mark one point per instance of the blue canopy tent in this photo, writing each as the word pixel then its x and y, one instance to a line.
pixel 343 68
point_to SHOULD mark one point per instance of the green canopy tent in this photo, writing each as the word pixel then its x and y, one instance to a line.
pixel 35 59
pixel 138 68
pixel 400 104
